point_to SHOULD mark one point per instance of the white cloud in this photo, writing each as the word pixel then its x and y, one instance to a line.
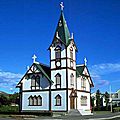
pixel 107 68
pixel 98 72
pixel 9 80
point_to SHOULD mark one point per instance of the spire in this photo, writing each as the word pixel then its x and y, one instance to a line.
pixel 62 30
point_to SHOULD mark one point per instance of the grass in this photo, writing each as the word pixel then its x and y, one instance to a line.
pixel 101 112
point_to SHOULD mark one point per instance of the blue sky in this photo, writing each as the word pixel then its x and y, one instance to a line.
pixel 27 27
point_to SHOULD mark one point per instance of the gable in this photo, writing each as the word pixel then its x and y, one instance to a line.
pixel 35 69
pixel 82 70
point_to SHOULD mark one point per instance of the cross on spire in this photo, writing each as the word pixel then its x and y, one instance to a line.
pixel 34 58
pixel 85 60
pixel 62 6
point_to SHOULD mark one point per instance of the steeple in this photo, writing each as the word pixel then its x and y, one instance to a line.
pixel 62 29
pixel 62 32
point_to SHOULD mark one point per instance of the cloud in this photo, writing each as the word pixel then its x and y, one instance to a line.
pixel 9 80
pixel 106 68
pixel 98 72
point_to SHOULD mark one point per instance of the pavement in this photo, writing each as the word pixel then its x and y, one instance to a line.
pixel 110 116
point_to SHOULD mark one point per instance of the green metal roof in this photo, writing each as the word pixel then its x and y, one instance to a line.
pixel 79 70
pixel 45 70
pixel 62 29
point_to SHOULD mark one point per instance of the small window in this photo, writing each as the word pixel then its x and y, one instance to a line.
pixel 39 100
pixel 58 100
pixel 72 80
pixel 83 100
pixel 58 80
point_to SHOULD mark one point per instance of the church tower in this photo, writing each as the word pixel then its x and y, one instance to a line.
pixel 63 66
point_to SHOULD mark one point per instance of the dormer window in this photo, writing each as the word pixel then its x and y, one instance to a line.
pixel 58 80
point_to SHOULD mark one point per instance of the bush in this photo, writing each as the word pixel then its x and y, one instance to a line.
pixel 116 109
pixel 8 108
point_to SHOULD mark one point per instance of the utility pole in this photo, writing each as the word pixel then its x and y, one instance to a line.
pixel 110 98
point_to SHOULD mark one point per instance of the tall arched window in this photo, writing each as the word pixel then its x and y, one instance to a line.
pixel 72 80
pixel 58 52
pixel 39 100
pixel 37 81
pixel 58 80
pixel 58 100
pixel 35 100
pixel 71 53
pixel 83 83
pixel 33 81
pixel 30 100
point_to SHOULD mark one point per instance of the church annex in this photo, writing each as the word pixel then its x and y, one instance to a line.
pixel 62 85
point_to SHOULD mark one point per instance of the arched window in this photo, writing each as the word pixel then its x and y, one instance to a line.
pixel 58 52
pixel 39 100
pixel 30 100
pixel 33 81
pixel 58 100
pixel 37 81
pixel 83 83
pixel 35 100
pixel 72 80
pixel 71 53
pixel 58 80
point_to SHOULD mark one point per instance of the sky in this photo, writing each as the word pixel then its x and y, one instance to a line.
pixel 27 27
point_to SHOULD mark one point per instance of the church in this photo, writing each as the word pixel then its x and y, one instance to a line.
pixel 62 86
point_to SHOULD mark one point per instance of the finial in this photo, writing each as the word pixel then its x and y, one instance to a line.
pixel 85 60
pixel 61 5
pixel 34 58
pixel 72 36
pixel 28 67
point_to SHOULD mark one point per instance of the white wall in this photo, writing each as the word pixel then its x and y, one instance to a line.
pixel 79 94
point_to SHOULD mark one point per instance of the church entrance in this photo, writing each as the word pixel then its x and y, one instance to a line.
pixel 72 102
pixel 73 96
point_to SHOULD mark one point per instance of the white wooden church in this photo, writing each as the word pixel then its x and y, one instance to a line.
pixel 63 85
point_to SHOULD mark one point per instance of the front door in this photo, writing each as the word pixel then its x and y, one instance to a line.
pixel 72 102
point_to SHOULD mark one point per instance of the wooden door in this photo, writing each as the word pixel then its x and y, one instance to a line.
pixel 72 103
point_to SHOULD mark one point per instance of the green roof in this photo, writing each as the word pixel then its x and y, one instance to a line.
pixel 62 29
pixel 45 70
pixel 79 70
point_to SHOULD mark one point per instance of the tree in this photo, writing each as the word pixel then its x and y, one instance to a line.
pixel 106 99
pixel 98 100
pixel 3 99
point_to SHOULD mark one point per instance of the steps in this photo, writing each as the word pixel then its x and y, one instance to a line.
pixel 74 112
